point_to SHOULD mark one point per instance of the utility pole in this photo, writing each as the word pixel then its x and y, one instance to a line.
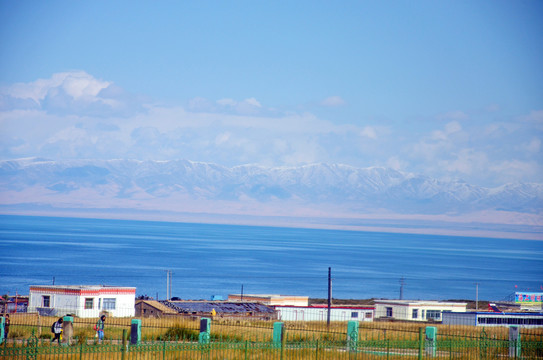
pixel 402 283
pixel 476 296
pixel 329 296
pixel 168 284
pixel 241 292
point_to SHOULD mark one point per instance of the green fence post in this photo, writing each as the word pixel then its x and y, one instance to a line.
pixel 431 338
pixel 278 333
pixel 123 344
pixel 81 348
pixel 421 342
pixel 352 336
pixel 246 349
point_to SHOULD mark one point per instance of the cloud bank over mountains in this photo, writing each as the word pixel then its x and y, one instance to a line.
pixel 74 115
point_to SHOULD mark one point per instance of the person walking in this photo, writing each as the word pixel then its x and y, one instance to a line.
pixel 57 330
pixel 99 327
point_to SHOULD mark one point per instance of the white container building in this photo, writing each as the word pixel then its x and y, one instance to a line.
pixel 320 313
pixel 85 301
pixel 524 320
pixel 415 310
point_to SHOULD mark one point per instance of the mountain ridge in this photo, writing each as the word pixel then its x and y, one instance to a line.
pixel 344 186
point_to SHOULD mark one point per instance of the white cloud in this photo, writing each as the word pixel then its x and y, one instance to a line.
pixel 453 127
pixel 252 101
pixel 453 115
pixel 369 132
pixel 76 84
pixel 536 118
pixel 333 101
pixel 509 170
pixel 396 163
pixel 222 138
pixel 66 122
pixel 534 146
pixel 227 102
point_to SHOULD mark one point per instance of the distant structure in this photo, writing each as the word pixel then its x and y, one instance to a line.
pixel 492 319
pixel 320 313
pixel 273 299
pixel 153 309
pixel 415 310
pixel 14 304
pixel 84 301
pixel 531 301
pixel 223 309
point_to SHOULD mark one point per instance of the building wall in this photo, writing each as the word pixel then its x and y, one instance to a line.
pixel 272 300
pixel 83 302
pixel 308 313
pixel 525 320
pixel 415 311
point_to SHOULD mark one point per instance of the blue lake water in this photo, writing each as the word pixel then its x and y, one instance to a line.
pixel 211 260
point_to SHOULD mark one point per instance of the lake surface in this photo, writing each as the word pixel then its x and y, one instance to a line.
pixel 211 260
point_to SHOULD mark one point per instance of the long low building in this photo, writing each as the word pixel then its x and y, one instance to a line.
pixel 415 310
pixel 270 299
pixel 320 313
pixel 525 320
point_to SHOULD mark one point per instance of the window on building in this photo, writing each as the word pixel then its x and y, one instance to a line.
pixel 109 304
pixel 389 311
pixel 46 301
pixel 89 303
pixel 433 314
pixel 354 315
pixel 368 315
pixel 415 314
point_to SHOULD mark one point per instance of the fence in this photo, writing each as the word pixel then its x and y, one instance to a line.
pixel 180 337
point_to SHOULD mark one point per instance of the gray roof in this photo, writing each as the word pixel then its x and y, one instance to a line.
pixel 220 307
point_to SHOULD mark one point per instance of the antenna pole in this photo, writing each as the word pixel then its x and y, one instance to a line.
pixel 329 296
pixel 476 296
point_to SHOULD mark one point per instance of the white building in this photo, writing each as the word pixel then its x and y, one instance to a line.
pixel 84 301
pixel 415 310
pixel 272 300
pixel 524 320
pixel 320 313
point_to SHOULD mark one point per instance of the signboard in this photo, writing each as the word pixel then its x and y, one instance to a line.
pixel 529 298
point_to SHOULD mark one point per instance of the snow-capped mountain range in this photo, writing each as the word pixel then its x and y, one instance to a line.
pixel 187 186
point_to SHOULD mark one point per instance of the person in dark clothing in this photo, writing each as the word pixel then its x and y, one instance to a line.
pixel 6 327
pixel 57 330
pixel 99 327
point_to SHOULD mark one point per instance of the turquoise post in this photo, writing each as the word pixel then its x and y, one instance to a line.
pixel 278 333
pixel 2 323
pixel 431 341
pixel 135 332
pixel 67 330
pixel 352 336
pixel 205 329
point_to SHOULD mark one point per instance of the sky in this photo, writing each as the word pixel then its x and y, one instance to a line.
pixel 448 89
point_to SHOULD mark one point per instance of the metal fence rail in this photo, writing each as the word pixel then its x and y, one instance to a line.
pixel 33 349
pixel 179 338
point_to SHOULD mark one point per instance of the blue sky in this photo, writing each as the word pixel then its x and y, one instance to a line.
pixel 450 89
